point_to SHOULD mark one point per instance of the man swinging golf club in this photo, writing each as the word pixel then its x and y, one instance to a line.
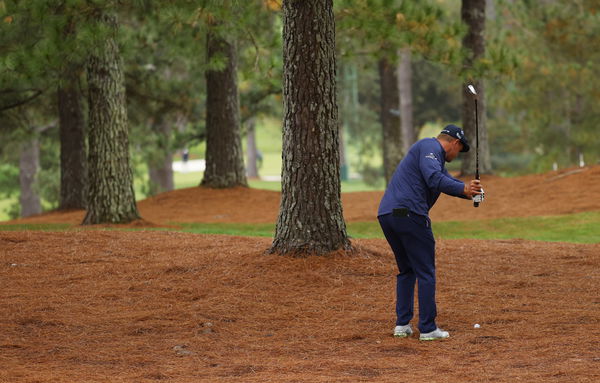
pixel 403 215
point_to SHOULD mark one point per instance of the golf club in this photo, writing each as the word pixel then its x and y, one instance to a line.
pixel 478 198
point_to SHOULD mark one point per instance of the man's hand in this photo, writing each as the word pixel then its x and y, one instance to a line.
pixel 472 189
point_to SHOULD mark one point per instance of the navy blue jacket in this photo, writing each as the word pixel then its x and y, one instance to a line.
pixel 419 179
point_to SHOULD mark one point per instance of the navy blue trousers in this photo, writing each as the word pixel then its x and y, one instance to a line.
pixel 412 242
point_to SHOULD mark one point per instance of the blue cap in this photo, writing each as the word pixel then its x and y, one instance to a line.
pixel 456 132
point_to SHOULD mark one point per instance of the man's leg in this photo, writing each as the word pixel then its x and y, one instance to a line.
pixel 405 280
pixel 420 249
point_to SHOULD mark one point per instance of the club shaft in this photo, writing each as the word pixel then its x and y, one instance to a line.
pixel 476 141
pixel 476 204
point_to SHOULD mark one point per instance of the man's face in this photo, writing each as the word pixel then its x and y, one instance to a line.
pixel 455 148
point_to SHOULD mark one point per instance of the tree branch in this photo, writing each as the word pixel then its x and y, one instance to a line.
pixel 21 102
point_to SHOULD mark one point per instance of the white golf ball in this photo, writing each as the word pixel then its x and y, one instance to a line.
pixel 476 325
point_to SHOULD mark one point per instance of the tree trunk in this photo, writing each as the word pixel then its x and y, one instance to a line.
pixel 160 167
pixel 111 198
pixel 161 176
pixel 344 171
pixel 29 163
pixel 473 15
pixel 409 134
pixel 73 161
pixel 310 215
pixel 224 156
pixel 390 119
pixel 251 149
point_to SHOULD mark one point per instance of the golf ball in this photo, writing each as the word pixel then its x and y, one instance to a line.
pixel 476 325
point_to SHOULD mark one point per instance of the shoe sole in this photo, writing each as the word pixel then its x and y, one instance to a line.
pixel 403 335
pixel 435 338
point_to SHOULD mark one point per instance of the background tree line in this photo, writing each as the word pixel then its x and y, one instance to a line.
pixel 203 71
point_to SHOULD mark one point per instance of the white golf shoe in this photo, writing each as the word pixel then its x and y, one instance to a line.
pixel 403 331
pixel 436 334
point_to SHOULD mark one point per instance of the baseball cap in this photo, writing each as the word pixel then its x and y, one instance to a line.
pixel 456 132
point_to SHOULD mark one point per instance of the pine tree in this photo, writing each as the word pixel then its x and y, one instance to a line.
pixel 390 118
pixel 310 215
pixel 224 156
pixel 73 156
pixel 111 197
pixel 473 15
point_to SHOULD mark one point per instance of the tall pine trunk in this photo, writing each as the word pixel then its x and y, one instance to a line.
pixel 409 133
pixel 73 161
pixel 224 156
pixel 111 198
pixel 390 120
pixel 161 175
pixel 473 15
pixel 160 166
pixel 310 215
pixel 251 149
pixel 29 164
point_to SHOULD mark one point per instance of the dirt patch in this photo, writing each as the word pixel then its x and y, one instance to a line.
pixel 100 306
pixel 554 193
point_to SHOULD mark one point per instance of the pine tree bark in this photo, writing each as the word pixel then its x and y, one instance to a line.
pixel 161 175
pixel 344 171
pixel 251 149
pixel 73 161
pixel 111 198
pixel 29 164
pixel 389 117
pixel 409 133
pixel 224 156
pixel 473 15
pixel 160 167
pixel 310 215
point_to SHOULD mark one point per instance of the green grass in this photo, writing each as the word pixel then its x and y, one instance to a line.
pixel 242 229
pixel 576 228
pixel 36 227
pixel 187 180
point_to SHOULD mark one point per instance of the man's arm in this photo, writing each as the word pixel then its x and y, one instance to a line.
pixel 436 178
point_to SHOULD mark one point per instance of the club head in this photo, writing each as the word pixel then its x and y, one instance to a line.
pixel 471 89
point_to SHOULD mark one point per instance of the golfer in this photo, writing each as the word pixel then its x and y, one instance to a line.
pixel 403 215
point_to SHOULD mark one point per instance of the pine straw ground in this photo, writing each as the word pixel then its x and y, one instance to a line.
pixel 115 306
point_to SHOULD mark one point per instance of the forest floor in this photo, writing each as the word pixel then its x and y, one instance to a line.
pixel 82 305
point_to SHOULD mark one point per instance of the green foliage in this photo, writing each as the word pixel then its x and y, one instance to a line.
pixel 548 108
pixel 369 30
pixel 9 179
pixel 540 69
pixel 49 175
pixel 387 25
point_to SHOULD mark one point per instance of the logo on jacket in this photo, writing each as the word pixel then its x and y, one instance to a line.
pixel 432 156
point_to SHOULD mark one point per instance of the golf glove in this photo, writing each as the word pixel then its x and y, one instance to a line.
pixel 479 197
